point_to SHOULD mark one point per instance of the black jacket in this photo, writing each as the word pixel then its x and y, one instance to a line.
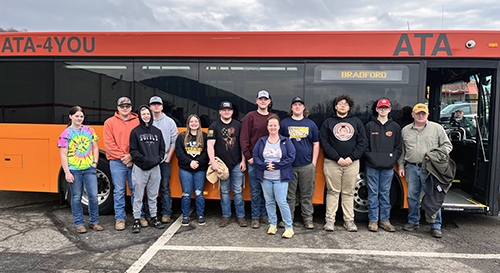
pixel 384 144
pixel 343 137
pixel 147 147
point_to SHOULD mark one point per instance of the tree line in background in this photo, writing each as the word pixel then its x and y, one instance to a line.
pixel 11 29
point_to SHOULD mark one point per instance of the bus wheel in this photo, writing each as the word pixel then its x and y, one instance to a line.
pixel 104 191
pixel 361 198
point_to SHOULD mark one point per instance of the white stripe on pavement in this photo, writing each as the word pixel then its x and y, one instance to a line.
pixel 152 250
pixel 335 251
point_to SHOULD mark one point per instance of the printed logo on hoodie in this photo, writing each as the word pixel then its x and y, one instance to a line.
pixel 343 131
pixel 148 138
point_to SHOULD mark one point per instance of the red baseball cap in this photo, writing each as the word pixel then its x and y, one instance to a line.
pixel 384 102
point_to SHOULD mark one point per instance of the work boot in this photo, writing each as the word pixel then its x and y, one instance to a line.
pixel 281 224
pixel 120 225
pixel 225 221
pixel 264 220
pixel 144 222
pixel 410 226
pixel 387 226
pixel 165 219
pixel 372 226
pixel 242 222
pixel 96 227
pixel 309 224
pixel 255 223
pixel 81 229
pixel 436 233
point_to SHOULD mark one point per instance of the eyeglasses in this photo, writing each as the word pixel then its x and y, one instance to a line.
pixel 125 106
pixel 384 108
pixel 343 104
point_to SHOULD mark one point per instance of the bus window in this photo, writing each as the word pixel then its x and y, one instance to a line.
pixel 27 94
pixel 240 82
pixel 365 83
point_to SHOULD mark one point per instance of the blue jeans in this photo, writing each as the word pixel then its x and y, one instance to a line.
pixel 235 181
pixel 379 188
pixel 166 199
pixel 257 198
pixel 190 180
pixel 276 191
pixel 87 177
pixel 415 181
pixel 120 173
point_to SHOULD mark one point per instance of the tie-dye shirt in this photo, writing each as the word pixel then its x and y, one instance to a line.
pixel 79 145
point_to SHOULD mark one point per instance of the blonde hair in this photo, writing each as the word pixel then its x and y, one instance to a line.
pixel 199 132
pixel 305 112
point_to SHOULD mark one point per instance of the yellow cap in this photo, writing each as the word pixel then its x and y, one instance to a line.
pixel 420 107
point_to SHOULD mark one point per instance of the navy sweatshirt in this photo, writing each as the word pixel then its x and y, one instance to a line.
pixel 147 146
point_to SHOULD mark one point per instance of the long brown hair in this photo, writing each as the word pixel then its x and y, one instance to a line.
pixel 199 132
pixel 73 111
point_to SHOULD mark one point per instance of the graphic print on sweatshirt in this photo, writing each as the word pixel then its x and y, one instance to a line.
pixel 148 138
pixel 343 131
pixel 192 149
pixel 298 132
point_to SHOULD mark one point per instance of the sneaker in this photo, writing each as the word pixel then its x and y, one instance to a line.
pixel 156 223
pixel 350 226
pixel 387 226
pixel 255 223
pixel 436 233
pixel 242 222
pixel 281 224
pixel 225 221
pixel 185 222
pixel 120 225
pixel 309 224
pixel 410 226
pixel 81 229
pixel 372 226
pixel 288 233
pixel 165 219
pixel 96 227
pixel 272 230
pixel 329 226
pixel 136 228
pixel 201 221
pixel 264 220
pixel 144 222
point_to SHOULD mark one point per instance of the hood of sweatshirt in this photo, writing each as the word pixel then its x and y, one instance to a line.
pixel 141 121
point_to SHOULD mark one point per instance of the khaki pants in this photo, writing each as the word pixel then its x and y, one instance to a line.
pixel 340 180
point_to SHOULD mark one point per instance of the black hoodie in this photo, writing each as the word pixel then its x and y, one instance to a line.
pixel 384 144
pixel 342 137
pixel 147 147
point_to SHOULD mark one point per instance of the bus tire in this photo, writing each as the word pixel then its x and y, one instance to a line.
pixel 361 196
pixel 104 189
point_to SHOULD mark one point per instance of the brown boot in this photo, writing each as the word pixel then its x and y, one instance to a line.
pixel 120 225
pixel 165 219
pixel 242 222
pixel 255 223
pixel 387 226
pixel 96 227
pixel 81 229
pixel 144 222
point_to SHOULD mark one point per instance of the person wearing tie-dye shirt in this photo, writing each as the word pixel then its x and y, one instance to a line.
pixel 79 158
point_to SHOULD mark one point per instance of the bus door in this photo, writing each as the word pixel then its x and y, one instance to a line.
pixel 460 96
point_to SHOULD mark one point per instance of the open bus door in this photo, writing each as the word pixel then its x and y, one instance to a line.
pixel 469 88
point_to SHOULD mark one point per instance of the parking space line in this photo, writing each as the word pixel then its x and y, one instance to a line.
pixel 336 251
pixel 152 250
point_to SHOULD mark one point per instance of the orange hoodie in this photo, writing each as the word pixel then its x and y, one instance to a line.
pixel 117 135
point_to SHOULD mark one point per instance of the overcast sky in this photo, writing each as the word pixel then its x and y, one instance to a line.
pixel 256 15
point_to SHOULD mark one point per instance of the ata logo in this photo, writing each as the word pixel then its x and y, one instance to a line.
pixel 405 44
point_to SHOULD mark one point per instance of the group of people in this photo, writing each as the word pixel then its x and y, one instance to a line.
pixel 280 157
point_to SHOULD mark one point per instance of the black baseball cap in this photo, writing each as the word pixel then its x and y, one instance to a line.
pixel 298 99
pixel 226 104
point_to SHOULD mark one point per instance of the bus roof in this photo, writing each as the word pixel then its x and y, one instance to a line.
pixel 343 44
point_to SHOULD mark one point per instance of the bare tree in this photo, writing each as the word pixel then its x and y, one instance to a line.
pixel 11 29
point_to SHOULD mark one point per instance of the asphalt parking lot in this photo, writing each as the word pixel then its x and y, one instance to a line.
pixel 38 235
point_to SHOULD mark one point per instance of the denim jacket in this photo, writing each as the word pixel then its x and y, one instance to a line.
pixel 285 164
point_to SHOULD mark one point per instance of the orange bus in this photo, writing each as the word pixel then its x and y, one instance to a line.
pixel 43 74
